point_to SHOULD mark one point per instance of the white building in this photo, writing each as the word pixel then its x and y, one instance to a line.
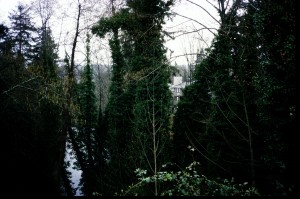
pixel 179 83
pixel 176 88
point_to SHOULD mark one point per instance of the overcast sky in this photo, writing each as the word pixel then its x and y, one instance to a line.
pixel 185 44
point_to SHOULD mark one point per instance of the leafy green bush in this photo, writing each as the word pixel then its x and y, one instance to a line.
pixel 189 183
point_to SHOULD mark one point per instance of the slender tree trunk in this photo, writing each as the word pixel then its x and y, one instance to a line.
pixel 75 41
pixel 154 147
pixel 250 143
pixel 70 82
pixel 62 139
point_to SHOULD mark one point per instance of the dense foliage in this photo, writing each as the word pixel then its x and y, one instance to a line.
pixel 239 115
pixel 139 102
pixel 233 133
pixel 30 108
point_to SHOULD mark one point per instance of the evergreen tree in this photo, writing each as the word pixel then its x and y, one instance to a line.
pixel 87 100
pixel 30 124
pixel 35 92
pixel 276 95
pixel 5 48
pixel 44 65
pixel 118 111
pixel 85 137
pixel 17 121
pixel 45 56
pixel 22 32
pixel 139 105
pixel 230 138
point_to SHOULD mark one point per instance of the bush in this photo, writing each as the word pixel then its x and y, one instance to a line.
pixel 189 183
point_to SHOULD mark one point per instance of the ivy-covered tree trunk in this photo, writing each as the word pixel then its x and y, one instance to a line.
pixel 139 105
pixel 85 137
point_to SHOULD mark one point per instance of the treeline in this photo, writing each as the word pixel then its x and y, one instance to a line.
pixel 233 132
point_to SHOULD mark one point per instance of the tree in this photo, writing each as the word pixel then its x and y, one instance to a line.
pixel 118 108
pixel 45 9
pixel 5 47
pixel 139 73
pixel 86 136
pixel 31 135
pixel 276 88
pixel 22 32
pixel 222 116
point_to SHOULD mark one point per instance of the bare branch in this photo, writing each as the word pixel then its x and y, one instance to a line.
pixel 205 11
pixel 20 85
pixel 209 29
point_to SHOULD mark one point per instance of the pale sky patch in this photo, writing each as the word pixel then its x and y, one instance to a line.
pixel 185 44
